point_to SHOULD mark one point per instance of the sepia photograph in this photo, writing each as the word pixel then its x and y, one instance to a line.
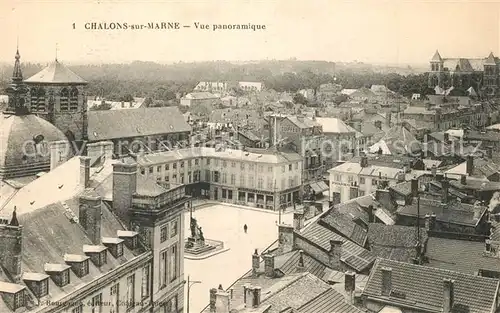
pixel 285 156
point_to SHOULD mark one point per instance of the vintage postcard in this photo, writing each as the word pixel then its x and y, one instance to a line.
pixel 319 156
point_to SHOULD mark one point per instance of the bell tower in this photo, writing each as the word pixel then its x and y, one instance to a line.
pixel 17 90
pixel 436 73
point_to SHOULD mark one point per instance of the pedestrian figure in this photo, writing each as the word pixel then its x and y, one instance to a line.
pixel 245 228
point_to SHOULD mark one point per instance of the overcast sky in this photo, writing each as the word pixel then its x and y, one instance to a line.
pixel 373 31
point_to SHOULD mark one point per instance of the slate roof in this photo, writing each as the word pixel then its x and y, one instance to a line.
pixel 436 57
pixel 453 212
pixel 344 224
pixel 303 122
pixel 394 242
pixel 423 288
pixel 56 73
pixel 398 140
pixel 449 254
pixel 334 125
pixel 353 255
pixel 482 168
pixel 327 302
pixel 116 124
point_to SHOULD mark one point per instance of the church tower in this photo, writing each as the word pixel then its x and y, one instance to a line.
pixel 490 76
pixel 57 95
pixel 17 90
pixel 437 69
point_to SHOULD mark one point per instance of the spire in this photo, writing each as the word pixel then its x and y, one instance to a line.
pixel 436 57
pixel 14 221
pixel 17 75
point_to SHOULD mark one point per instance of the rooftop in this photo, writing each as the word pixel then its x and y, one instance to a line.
pixel 56 73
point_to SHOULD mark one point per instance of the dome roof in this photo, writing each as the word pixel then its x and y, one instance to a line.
pixel 24 144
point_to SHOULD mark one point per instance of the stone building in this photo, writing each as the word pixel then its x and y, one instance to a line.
pixel 258 178
pixel 57 95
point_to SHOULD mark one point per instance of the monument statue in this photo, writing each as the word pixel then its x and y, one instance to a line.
pixel 194 225
pixel 200 234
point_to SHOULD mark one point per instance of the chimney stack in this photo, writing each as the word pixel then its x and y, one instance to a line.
pixel 489 152
pixel 371 214
pixel 350 282
pixel 124 187
pixel 445 194
pixel 60 152
pixel 470 165
pixel 286 238
pixel 386 281
pixel 335 254
pixel 448 294
pixel 298 220
pixel 90 215
pixel 255 263
pixel 446 137
pixel 364 160
pixel 213 297
pixel 269 265
pixel 414 187
pixel 222 303
pixel 301 265
pixel 401 177
pixel 487 245
pixel 84 171
pixel 463 179
pixel 434 170
pixel 257 293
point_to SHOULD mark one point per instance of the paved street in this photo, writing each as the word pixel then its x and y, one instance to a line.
pixel 225 223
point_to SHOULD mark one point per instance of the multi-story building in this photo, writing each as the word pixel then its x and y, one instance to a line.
pixel 260 178
pixel 93 237
pixel 200 98
pixel 480 73
pixel 251 86
pixel 213 86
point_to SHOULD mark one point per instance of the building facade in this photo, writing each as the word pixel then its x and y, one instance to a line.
pixel 265 180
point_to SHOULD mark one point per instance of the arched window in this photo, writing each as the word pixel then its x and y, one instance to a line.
pixel 64 99
pixel 34 98
pixel 73 100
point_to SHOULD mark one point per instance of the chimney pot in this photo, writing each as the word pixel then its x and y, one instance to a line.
pixel 213 298
pixel 257 292
pixel 470 165
pixel 414 187
pixel 255 263
pixel 298 219
pixel 463 179
pixel 222 303
pixel 84 171
pixel 269 265
pixel 335 254
pixel 350 281
pixel 445 193
pixel 487 244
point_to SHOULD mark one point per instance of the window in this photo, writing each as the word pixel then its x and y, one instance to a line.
pixel 182 178
pixel 233 164
pixel 150 169
pixel 143 170
pixel 260 183
pixel 173 229
pixel 97 303
pixel 374 182
pixel 251 167
pixel 43 288
pixel 207 175
pixel 103 257
pixel 283 181
pixel 174 178
pixel 289 167
pixel 145 282
pixel 84 269
pixel 282 168
pixel 290 182
pixel 119 250
pixel 338 178
pixel 242 180
pixel 224 178
pixel 224 163
pixel 190 176
pixel 182 163
pixel 158 169
pixel 164 233
pixel 270 184
pixel 63 100
pixel 114 294
pixel 189 163
pixel 361 180
pixel 242 166
pixel 208 161
pixel 270 169
pixel 64 277
pixel 163 269
pixel 196 161
pixel 167 167
pixel 233 179
pixel 261 168
pixel 130 292
pixel 251 181
pixel 73 100
pixel 174 165
pixel 216 162
pixel 216 176
pixel 173 263
pixel 167 178
pixel 297 165
pixel 77 309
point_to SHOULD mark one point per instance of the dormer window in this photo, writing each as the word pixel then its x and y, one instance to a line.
pixel 131 238
pixel 115 246
pixel 37 283
pixel 79 263
pixel 13 295
pixel 98 254
pixel 59 273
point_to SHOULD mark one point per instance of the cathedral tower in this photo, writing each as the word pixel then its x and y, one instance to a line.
pixel 436 73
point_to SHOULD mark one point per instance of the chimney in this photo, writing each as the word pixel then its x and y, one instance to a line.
pixel 213 292
pixel 124 186
pixel 298 220
pixel 386 281
pixel 286 238
pixel 444 189
pixel 463 179
pixel 60 152
pixel 255 263
pixel 248 295
pixel 11 237
pixel 257 293
pixel 430 221
pixel 101 149
pixel 371 214
pixel 470 165
pixel 84 171
pixel 90 215
pixel 401 177
pixel 378 124
pixel 489 152
pixel 487 245
pixel 414 187
pixel 434 170
pixel 448 295
pixel 350 282
pixel 446 137
pixel 364 160
pixel 269 265
pixel 300 264
pixel 334 254
pixel 222 303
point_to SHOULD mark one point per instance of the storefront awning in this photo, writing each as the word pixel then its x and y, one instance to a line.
pixel 318 187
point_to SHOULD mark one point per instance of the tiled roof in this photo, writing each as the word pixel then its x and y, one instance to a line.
pixel 344 224
pixel 56 73
pixel 482 168
pixel 115 124
pixel 449 254
pixel 436 57
pixel 394 242
pixel 403 188
pixel 333 125
pixel 352 254
pixel 303 122
pixel 398 140
pixel 423 288
pixel 327 302
pixel 452 212
pixel 289 262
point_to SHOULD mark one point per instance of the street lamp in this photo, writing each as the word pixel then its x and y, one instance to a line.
pixel 189 284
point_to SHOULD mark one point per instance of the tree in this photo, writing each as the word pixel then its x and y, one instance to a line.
pixel 102 106
pixel 147 102
pixel 300 99
pixel 127 98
